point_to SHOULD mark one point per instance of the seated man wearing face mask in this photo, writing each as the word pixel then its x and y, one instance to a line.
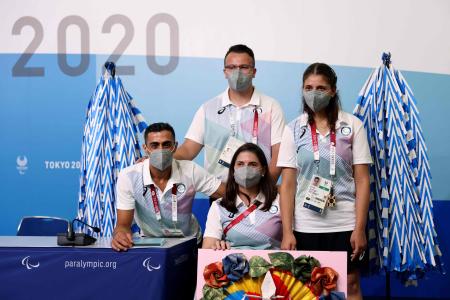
pixel 241 114
pixel 158 192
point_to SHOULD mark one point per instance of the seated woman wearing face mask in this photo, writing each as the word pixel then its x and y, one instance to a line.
pixel 248 217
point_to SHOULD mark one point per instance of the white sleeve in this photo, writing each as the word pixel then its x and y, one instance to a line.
pixel 287 157
pixel 203 181
pixel 213 227
pixel 277 124
pixel 360 145
pixel 196 131
pixel 124 192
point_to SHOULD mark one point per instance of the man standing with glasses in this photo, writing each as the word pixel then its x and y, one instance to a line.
pixel 158 192
pixel 240 114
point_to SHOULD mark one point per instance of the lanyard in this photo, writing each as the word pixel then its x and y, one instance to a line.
pixel 332 149
pixel 255 126
pixel 156 205
pixel 233 124
pixel 243 215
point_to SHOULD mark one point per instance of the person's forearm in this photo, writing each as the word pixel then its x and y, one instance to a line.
pixel 188 150
pixel 220 192
pixel 362 207
pixel 287 200
pixel 124 220
pixel 362 187
pixel 122 228
pixel 274 171
pixel 182 153
pixel 287 209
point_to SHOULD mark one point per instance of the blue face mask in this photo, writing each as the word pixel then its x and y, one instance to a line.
pixel 316 100
pixel 239 81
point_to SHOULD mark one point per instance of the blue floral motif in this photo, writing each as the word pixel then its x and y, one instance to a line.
pixel 235 266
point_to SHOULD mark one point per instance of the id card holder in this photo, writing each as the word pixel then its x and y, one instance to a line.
pixel 230 148
pixel 318 192
pixel 173 232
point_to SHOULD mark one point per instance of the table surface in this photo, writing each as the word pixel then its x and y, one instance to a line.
pixel 143 272
pixel 50 241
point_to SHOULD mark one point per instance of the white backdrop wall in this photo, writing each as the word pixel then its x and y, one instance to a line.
pixel 345 32
pixel 171 58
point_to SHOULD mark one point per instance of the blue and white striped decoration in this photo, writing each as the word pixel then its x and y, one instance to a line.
pixel 402 237
pixel 110 143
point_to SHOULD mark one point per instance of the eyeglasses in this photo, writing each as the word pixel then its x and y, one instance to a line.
pixel 244 68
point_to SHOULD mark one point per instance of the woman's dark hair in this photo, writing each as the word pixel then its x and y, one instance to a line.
pixel 334 106
pixel 266 184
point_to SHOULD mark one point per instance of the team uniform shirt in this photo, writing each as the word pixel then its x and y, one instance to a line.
pixel 213 121
pixel 133 192
pixel 259 230
pixel 296 151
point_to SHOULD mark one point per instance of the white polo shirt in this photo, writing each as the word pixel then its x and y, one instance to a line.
pixel 259 230
pixel 296 151
pixel 133 192
pixel 213 121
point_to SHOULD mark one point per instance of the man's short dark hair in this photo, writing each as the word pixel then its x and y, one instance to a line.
pixel 240 48
pixel 158 127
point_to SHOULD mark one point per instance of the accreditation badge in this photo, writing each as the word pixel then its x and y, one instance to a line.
pixel 230 148
pixel 318 193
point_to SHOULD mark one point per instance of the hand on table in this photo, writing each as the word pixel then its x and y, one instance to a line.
pixel 122 241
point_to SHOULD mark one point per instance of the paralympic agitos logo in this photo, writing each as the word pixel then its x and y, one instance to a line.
pixel 148 266
pixel 29 265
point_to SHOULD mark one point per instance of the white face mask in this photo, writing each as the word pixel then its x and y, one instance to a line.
pixel 316 100
pixel 161 158
pixel 247 176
